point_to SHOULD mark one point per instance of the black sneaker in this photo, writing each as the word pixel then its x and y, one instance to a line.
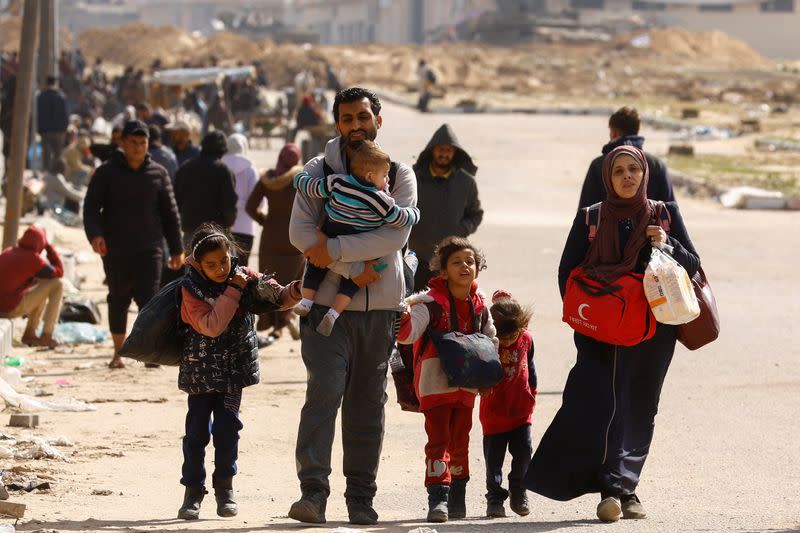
pixel 361 512
pixel 495 510
pixel 310 508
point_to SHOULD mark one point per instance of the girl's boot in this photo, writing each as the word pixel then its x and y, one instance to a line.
pixel 223 493
pixel 456 502
pixel 192 498
pixel 437 503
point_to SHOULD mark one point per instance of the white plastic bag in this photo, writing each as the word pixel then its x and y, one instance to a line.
pixel 669 290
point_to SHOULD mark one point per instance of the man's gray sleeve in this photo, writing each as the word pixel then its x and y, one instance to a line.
pixel 306 212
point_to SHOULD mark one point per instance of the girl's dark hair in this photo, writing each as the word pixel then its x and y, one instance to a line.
pixel 509 316
pixel 450 245
pixel 213 238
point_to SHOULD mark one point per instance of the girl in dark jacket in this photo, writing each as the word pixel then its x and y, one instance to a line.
pixel 600 437
pixel 220 358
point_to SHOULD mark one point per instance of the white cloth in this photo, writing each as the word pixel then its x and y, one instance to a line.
pixel 246 180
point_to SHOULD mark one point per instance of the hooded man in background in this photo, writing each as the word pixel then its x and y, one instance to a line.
pixel 447 198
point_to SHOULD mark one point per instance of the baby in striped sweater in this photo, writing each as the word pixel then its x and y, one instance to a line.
pixel 355 203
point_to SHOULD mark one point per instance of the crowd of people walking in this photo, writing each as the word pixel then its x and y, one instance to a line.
pixel 346 223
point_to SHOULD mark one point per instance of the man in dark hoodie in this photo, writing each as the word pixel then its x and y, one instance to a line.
pixel 623 129
pixel 205 188
pixel 128 212
pixel 448 198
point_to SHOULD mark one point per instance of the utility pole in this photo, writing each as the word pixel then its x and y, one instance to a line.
pixel 48 41
pixel 19 131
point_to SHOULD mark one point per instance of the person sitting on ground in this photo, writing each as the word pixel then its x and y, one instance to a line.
pixel 355 204
pixel 30 285
pixel 58 192
pixel 75 157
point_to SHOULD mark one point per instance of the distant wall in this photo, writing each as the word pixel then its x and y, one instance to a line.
pixel 774 35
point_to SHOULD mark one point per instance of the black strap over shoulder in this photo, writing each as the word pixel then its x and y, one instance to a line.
pixel 435 314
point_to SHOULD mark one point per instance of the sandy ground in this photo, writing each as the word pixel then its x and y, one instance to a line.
pixel 725 455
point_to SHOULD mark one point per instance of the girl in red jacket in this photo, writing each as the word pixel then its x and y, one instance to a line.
pixel 448 410
pixel 507 408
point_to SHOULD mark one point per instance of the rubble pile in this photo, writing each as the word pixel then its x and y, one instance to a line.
pixel 665 63
pixel 138 44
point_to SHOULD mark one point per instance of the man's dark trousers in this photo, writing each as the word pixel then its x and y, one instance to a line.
pixel 134 277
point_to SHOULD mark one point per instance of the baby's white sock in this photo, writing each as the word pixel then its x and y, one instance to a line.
pixel 304 307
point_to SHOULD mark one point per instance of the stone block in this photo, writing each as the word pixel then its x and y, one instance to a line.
pixel 24 421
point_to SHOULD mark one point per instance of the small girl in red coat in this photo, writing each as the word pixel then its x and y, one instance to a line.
pixel 507 408
pixel 448 410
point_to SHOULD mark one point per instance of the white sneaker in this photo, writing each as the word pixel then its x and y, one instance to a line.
pixel 609 509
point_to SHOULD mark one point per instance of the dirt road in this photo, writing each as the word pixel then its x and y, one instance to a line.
pixel 725 455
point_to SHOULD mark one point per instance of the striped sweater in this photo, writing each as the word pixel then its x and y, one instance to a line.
pixel 354 204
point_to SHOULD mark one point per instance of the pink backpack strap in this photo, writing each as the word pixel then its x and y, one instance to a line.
pixel 592 218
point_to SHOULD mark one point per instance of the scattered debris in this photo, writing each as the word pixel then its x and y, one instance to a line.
pixel 79 332
pixel 30 486
pixel 753 198
pixel 777 145
pixel 27 403
pixel 102 492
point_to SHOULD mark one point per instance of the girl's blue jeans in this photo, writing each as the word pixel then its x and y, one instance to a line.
pixel 223 408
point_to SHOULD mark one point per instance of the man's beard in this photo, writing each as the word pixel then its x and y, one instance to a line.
pixel 442 162
pixel 356 144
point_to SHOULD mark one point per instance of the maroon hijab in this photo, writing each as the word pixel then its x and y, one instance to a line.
pixel 605 260
pixel 288 157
